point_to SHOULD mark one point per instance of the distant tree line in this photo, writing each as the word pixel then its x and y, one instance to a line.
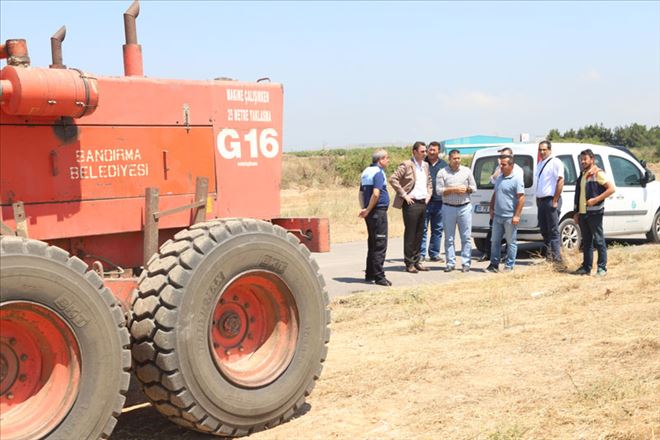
pixel 635 136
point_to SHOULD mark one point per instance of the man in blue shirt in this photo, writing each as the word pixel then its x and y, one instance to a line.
pixel 434 207
pixel 505 208
pixel 374 201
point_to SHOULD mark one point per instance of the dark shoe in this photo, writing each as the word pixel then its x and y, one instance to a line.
pixel 582 271
pixel 420 267
pixel 484 257
pixel 492 269
pixel 383 282
pixel 436 259
pixel 449 268
pixel 465 268
pixel 369 280
pixel 411 269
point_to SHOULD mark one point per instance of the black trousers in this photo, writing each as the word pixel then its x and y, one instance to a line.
pixel 413 220
pixel 591 225
pixel 377 243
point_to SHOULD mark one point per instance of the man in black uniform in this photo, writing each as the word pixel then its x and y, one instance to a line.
pixel 374 200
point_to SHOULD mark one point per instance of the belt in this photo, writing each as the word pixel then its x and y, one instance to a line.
pixel 419 200
pixel 457 206
pixel 544 198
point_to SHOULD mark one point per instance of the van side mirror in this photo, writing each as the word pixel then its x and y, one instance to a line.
pixel 648 177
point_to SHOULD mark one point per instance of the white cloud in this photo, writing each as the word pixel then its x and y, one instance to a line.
pixel 591 76
pixel 473 100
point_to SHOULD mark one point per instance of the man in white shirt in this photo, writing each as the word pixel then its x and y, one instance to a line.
pixel 549 185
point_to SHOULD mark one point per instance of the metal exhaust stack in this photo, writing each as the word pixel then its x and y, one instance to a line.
pixel 56 48
pixel 16 53
pixel 132 50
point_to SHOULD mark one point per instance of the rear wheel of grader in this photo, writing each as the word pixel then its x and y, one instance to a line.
pixel 64 348
pixel 230 327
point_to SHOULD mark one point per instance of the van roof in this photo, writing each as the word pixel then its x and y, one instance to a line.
pixel 557 148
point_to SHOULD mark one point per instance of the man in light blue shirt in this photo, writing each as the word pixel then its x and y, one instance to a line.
pixel 505 208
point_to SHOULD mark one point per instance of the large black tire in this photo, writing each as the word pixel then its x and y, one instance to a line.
pixel 47 278
pixel 482 245
pixel 570 235
pixel 173 315
pixel 653 235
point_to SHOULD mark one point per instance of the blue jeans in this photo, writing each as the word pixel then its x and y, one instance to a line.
pixel 461 216
pixel 502 226
pixel 434 217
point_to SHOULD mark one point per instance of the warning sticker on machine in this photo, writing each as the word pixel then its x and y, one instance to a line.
pixel 108 163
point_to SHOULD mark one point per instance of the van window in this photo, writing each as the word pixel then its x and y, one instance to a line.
pixel 485 167
pixel 625 173
pixel 570 175
pixel 598 160
pixel 527 164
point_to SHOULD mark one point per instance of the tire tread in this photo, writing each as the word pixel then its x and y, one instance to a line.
pixel 153 332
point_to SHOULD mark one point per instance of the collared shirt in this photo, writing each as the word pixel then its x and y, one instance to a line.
pixel 546 181
pixel 433 169
pixel 419 190
pixel 374 177
pixel 448 178
pixel 507 189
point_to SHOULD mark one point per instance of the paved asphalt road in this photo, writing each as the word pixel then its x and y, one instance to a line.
pixel 343 267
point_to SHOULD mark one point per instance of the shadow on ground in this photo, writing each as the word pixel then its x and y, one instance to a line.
pixel 146 423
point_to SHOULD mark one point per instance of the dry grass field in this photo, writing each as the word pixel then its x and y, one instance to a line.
pixel 533 355
pixel 340 205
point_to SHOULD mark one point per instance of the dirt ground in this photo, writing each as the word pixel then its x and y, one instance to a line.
pixel 535 354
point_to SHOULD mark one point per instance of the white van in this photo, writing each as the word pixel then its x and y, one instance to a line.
pixel 633 209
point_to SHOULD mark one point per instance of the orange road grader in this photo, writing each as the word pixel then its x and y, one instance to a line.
pixel 140 232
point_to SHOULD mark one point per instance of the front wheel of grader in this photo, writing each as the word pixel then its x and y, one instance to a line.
pixel 230 327
pixel 64 347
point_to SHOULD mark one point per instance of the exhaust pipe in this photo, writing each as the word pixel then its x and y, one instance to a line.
pixel 56 48
pixel 16 53
pixel 132 50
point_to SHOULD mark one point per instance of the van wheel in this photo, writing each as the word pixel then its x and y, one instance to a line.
pixel 654 234
pixel 570 234
pixel 481 244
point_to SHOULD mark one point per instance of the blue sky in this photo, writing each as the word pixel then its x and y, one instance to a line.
pixel 385 72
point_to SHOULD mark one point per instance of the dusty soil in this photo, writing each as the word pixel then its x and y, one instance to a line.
pixel 535 354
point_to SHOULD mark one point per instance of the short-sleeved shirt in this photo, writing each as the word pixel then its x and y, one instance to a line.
pixel 448 178
pixel 374 177
pixel 601 178
pixel 507 189
pixel 546 181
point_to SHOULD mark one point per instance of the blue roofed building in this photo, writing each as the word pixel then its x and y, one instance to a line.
pixel 470 144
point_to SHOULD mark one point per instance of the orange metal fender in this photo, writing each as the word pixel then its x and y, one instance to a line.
pixel 313 232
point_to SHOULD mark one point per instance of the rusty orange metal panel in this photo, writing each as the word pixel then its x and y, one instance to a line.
pixel 49 221
pixel 311 231
pixel 93 162
pixel 247 129
pixel 122 289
